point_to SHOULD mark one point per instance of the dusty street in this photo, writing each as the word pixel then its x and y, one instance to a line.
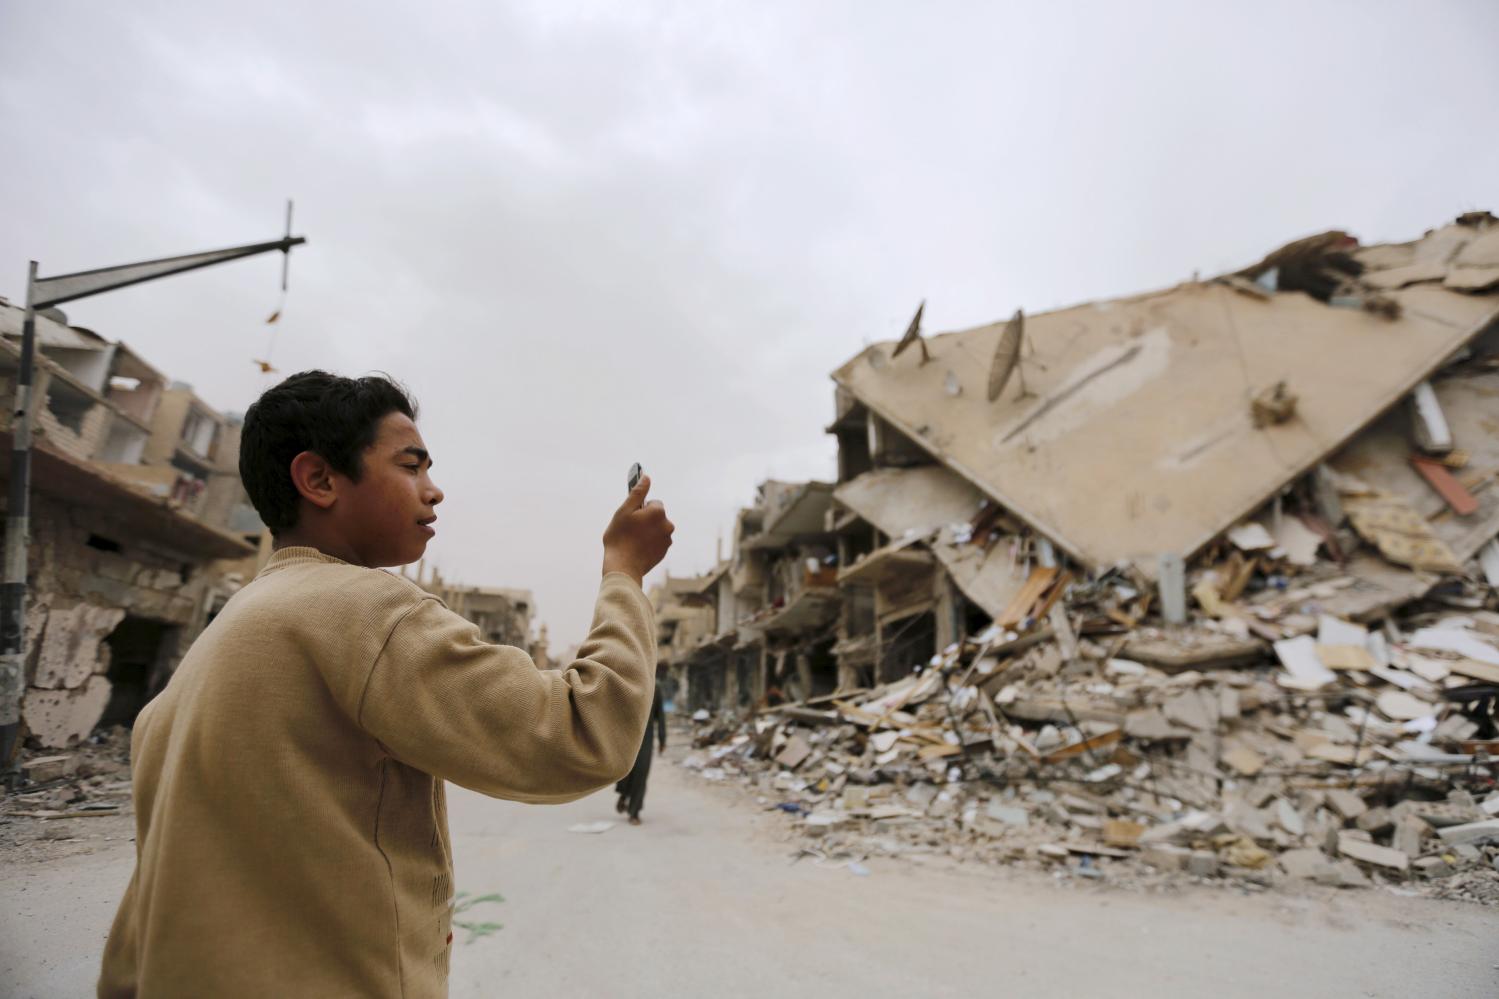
pixel 702 900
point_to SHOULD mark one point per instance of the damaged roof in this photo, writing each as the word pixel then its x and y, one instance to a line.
pixel 50 332
pixel 1128 431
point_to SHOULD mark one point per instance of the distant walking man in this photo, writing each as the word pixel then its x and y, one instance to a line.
pixel 632 788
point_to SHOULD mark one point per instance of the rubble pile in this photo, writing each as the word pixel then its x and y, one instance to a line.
pixel 91 780
pixel 1342 757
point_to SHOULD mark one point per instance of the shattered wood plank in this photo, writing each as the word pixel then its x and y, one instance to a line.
pixel 1474 670
pixel 806 716
pixel 1035 587
pixel 74 814
pixel 1173 655
pixel 1052 595
pixel 1085 746
pixel 1094 850
pixel 857 715
pixel 1240 579
pixel 1049 709
pixel 937 752
pixel 1446 485
pixel 1022 643
pixel 835 696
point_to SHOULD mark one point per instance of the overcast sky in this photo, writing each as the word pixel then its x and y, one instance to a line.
pixel 591 234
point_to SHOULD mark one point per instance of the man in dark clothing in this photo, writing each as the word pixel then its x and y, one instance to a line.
pixel 632 789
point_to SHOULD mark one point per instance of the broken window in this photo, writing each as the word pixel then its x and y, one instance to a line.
pixel 907 644
pixel 69 406
pixel 136 667
pixel 199 432
pixel 824 668
pixel 888 447
pixel 102 543
pixel 124 445
pixel 853 453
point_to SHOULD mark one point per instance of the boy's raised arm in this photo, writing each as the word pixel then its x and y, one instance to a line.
pixel 446 702
pixel 442 700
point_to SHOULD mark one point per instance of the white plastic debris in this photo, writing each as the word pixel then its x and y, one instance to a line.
pixel 591 828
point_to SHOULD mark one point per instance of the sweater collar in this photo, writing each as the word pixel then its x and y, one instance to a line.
pixel 296 554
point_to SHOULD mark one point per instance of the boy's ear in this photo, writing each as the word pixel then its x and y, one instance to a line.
pixel 313 478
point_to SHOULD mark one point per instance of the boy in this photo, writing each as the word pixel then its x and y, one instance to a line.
pixel 291 835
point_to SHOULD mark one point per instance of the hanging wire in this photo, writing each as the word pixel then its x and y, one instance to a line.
pixel 267 366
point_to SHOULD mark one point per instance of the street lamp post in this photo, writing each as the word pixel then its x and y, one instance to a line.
pixel 42 293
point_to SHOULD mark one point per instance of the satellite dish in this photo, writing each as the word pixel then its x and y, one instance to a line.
pixel 1006 355
pixel 913 335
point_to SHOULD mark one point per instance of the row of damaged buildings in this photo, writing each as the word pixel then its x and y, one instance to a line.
pixel 140 528
pixel 1206 576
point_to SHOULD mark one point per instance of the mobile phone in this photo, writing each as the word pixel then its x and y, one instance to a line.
pixel 635 473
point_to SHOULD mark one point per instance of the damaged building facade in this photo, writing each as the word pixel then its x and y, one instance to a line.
pixel 1234 540
pixel 138 526
pixel 766 622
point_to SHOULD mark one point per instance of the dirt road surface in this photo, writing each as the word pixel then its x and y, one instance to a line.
pixel 703 900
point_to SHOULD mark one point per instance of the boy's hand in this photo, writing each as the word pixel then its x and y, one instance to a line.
pixel 637 538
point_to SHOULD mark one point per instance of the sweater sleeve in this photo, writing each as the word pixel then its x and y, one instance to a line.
pixel 441 699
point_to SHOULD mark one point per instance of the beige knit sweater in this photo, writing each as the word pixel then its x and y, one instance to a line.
pixel 291 833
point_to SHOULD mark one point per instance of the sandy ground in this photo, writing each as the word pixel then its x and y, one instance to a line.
pixel 704 900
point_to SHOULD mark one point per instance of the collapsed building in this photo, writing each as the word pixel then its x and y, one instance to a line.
pixel 140 529
pixel 1232 542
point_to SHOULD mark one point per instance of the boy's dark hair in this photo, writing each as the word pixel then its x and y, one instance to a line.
pixel 330 415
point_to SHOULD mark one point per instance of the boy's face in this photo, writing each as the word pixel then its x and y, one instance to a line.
pixel 388 515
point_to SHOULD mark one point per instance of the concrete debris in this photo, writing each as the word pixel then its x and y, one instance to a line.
pixel 1471 833
pixel 41 769
pixel 90 781
pixel 1371 853
pixel 1409 834
pixel 1347 804
pixel 1215 667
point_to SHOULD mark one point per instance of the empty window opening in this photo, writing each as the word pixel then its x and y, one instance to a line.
pixel 135 651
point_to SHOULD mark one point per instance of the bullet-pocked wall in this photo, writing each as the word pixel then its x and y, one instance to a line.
pixel 108 618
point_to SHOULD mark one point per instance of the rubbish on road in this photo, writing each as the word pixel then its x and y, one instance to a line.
pixel 591 828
